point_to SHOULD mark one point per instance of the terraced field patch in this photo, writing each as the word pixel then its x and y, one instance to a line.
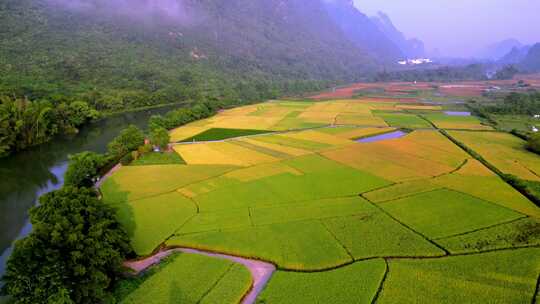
pixel 498 277
pixel 403 120
pixel 137 182
pixel 320 179
pixel 402 159
pixel 158 159
pixel 520 233
pixel 444 121
pixel 374 234
pixel 443 213
pixel 360 120
pixel 303 245
pixel 150 221
pixel 504 151
pixel 356 283
pixel 216 134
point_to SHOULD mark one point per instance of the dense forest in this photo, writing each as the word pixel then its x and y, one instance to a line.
pixel 24 123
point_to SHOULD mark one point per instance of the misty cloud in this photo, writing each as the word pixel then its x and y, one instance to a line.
pixel 172 10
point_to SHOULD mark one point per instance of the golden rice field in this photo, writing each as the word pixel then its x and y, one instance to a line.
pixel 344 217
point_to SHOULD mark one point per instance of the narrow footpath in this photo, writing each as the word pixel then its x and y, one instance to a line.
pixel 260 271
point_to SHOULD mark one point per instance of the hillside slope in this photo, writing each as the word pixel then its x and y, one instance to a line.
pixel 410 48
pixel 116 55
pixel 364 33
pixel 531 62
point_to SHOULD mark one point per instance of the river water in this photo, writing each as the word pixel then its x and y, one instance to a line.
pixel 29 174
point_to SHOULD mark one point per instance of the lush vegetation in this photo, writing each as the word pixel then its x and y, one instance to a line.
pixel 74 253
pixel 25 123
pixel 513 103
pixel 83 169
pixel 130 139
pixel 221 134
pixel 530 188
pixel 534 143
pixel 182 116
pixel 160 137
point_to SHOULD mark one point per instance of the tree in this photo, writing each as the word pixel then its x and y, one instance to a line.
pixel 534 143
pixel 160 137
pixel 83 168
pixel 74 253
pixel 129 140
pixel 80 112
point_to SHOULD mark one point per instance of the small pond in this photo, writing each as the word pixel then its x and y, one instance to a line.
pixel 457 113
pixel 386 136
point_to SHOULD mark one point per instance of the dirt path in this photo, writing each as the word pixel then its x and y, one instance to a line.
pixel 260 271
pixel 102 180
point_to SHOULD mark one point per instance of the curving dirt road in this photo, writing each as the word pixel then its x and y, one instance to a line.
pixel 260 271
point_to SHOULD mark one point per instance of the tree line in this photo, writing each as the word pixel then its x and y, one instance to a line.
pixel 512 104
pixel 25 123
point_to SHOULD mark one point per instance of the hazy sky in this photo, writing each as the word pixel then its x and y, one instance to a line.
pixel 460 27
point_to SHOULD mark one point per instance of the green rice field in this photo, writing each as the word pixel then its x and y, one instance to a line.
pixel 414 219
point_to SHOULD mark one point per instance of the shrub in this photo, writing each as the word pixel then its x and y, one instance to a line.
pixel 126 159
pixel 534 143
pixel 144 149
pixel 135 155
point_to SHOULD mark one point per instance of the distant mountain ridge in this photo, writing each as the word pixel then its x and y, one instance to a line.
pixel 531 62
pixel 362 31
pixel 499 49
pixel 516 55
pixel 410 48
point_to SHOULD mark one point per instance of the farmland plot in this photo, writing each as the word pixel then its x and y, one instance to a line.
pixel 317 200
pixel 356 283
pixel 498 277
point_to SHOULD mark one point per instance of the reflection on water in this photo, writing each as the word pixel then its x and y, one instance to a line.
pixel 385 136
pixel 457 113
pixel 27 175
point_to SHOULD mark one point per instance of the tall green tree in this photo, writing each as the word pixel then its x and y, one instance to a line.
pixel 129 140
pixel 160 137
pixel 73 255
pixel 83 168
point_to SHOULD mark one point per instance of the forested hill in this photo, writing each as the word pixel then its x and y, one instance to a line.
pixel 117 54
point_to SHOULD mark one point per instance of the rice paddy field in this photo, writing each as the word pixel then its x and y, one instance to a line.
pixel 414 219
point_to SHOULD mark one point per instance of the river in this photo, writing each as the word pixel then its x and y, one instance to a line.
pixel 28 174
